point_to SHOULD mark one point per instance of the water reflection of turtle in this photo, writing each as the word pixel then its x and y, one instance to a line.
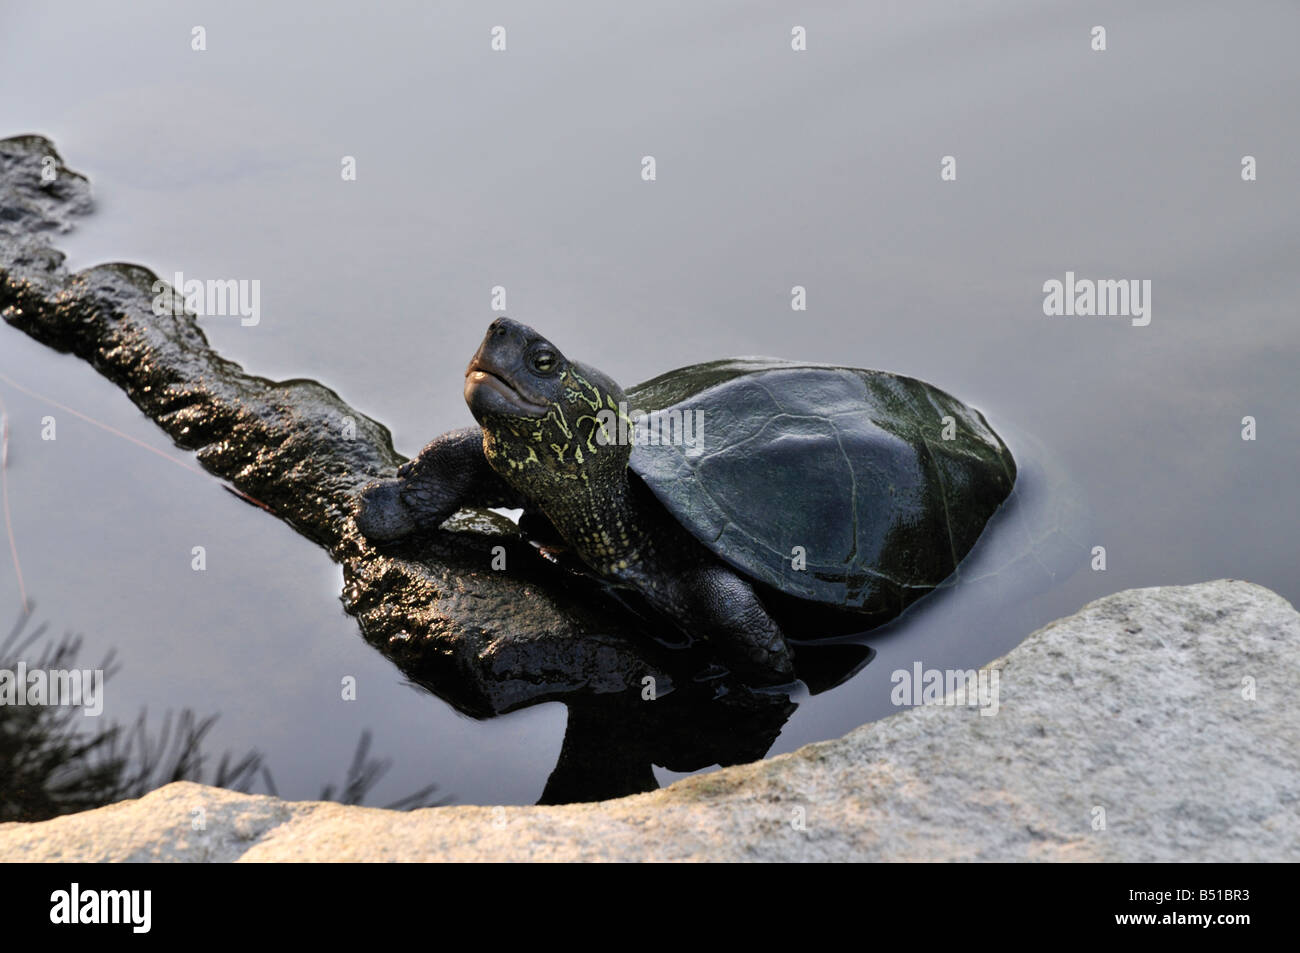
pixel 611 743
pixel 854 489
pixel 685 717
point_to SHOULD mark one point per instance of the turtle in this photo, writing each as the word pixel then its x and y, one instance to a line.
pixel 716 492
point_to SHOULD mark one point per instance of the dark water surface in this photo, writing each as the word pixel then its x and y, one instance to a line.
pixel 775 169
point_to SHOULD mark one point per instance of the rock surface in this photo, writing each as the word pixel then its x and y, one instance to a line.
pixel 1172 710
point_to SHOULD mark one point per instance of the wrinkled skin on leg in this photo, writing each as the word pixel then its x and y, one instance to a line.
pixel 728 611
pixel 449 473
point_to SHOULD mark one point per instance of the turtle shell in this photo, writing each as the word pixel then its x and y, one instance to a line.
pixel 856 471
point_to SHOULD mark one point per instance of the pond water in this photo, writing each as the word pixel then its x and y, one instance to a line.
pixel 774 169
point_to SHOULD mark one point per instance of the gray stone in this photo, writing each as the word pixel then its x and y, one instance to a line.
pixel 1136 705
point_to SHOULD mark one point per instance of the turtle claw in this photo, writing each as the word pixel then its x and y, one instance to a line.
pixel 760 664
pixel 380 514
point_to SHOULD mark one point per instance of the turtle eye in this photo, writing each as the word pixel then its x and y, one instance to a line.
pixel 543 361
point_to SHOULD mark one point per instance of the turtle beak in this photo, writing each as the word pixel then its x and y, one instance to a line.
pixel 496 380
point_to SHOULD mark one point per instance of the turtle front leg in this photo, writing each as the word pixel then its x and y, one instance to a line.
pixel 715 602
pixel 449 473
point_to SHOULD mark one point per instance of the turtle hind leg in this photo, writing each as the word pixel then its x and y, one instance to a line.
pixel 715 602
pixel 449 473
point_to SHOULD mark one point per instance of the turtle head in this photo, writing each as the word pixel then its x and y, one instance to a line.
pixel 549 423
